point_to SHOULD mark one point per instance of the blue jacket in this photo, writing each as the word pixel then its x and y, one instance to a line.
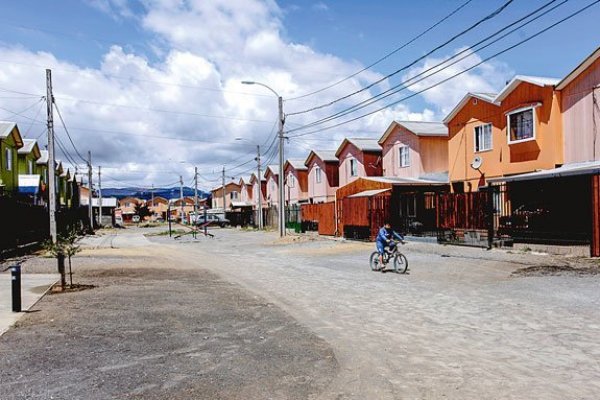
pixel 384 235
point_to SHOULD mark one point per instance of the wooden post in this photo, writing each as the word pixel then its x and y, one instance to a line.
pixel 595 247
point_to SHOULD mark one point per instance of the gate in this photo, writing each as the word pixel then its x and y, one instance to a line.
pixel 319 217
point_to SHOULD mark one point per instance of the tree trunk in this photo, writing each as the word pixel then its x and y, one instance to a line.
pixel 61 270
pixel 70 272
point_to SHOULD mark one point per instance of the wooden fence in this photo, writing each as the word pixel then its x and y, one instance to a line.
pixel 323 215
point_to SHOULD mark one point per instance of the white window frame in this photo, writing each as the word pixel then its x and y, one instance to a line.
pixel 233 195
pixel 482 126
pixel 353 171
pixel 30 167
pixel 291 180
pixel 318 177
pixel 534 122
pixel 400 158
pixel 9 158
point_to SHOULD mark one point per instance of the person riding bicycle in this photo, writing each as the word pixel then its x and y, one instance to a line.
pixel 384 238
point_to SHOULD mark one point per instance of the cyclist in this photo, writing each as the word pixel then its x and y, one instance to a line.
pixel 384 238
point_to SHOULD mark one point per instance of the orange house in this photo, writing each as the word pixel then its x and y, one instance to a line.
pixel 516 131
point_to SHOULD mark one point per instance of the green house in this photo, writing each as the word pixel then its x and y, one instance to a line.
pixel 10 142
pixel 42 167
pixel 27 157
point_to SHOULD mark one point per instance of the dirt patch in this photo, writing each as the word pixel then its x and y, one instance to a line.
pixel 556 270
pixel 76 287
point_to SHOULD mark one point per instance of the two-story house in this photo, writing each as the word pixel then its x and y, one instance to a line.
pixel 358 157
pixel 10 142
pixel 323 175
pixel 296 182
pixel 246 192
pixel 232 194
pixel 272 178
pixel 158 207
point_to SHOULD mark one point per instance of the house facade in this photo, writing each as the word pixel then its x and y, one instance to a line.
pixel 258 184
pixel 516 131
pixel 323 176
pixel 10 142
pixel 246 192
pixel 272 181
pixel 158 207
pixel 296 182
pixel 358 157
pixel 232 194
pixel 414 149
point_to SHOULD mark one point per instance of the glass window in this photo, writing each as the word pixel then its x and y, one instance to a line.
pixel 404 156
pixel 318 174
pixel 9 159
pixel 483 137
pixel 291 181
pixel 353 168
pixel 521 125
pixel 30 167
pixel 272 185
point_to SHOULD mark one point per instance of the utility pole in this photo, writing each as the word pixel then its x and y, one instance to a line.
pixel 195 200
pixel 281 158
pixel 51 167
pixel 223 191
pixel 181 197
pixel 99 195
pixel 90 209
pixel 152 202
pixel 259 205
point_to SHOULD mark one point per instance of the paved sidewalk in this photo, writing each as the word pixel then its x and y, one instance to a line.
pixel 33 287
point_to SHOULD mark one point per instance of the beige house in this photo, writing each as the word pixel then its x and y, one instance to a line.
pixel 232 194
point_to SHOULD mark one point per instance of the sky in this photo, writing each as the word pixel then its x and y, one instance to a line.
pixel 153 87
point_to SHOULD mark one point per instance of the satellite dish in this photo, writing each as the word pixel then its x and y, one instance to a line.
pixel 476 163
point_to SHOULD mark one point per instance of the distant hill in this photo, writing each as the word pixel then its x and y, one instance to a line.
pixel 168 193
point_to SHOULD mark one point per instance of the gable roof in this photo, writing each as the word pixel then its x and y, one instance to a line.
pixel 30 145
pixel 487 97
pixel 226 185
pixel 43 158
pixel 244 180
pixel 297 164
pixel 325 156
pixel 579 69
pixel 362 144
pixel 253 178
pixel 8 128
pixel 274 169
pixel 518 79
pixel 419 128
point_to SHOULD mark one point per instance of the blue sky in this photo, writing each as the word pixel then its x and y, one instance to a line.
pixel 177 68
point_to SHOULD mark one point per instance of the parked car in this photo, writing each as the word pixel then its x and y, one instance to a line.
pixel 213 219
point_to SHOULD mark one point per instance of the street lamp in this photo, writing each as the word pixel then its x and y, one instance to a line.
pixel 281 118
pixel 259 212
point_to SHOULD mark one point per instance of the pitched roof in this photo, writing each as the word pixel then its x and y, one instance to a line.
pixel 518 79
pixel 43 158
pixel 30 145
pixel 487 97
pixel 363 144
pixel 273 168
pixel 253 178
pixel 579 69
pixel 324 155
pixel 419 128
pixel 297 164
pixel 7 128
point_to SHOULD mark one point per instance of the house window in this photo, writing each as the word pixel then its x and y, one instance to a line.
pixel 9 159
pixel 483 137
pixel 521 125
pixel 353 167
pixel 30 167
pixel 291 181
pixel 272 186
pixel 318 174
pixel 234 195
pixel 404 156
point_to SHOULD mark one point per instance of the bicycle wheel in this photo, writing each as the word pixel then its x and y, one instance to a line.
pixel 374 261
pixel 400 263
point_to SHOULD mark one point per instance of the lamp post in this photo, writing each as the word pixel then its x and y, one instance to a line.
pixel 281 119
pixel 259 213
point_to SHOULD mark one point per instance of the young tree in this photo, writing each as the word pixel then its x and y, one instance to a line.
pixel 143 211
pixel 65 246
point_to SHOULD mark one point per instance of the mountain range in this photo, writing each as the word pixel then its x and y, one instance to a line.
pixel 167 193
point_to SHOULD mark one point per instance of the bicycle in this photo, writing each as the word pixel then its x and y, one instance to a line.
pixel 399 260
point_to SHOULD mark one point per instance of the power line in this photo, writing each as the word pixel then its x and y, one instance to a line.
pixel 385 56
pixel 473 26
pixel 404 85
pixel 455 75
pixel 67 132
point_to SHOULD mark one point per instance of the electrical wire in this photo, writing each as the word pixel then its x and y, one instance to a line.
pixel 455 75
pixel 404 85
pixel 385 57
pixel 67 132
pixel 405 67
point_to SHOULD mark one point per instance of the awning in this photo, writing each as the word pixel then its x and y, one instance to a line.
pixel 572 169
pixel 369 193
pixel 29 184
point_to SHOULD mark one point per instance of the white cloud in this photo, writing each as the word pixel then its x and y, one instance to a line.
pixel 320 6
pixel 194 91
